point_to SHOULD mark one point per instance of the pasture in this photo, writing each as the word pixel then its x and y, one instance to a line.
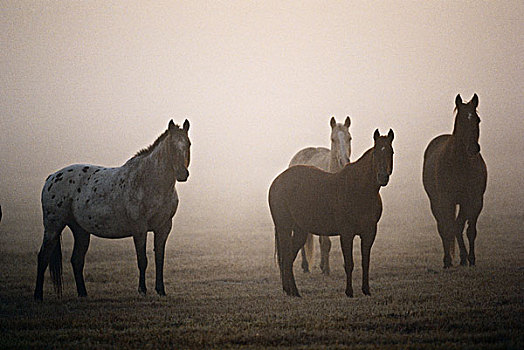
pixel 224 291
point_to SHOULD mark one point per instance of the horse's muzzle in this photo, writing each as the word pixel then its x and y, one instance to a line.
pixel 382 179
pixel 182 175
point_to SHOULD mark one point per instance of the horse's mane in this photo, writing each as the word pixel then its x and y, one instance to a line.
pixel 147 151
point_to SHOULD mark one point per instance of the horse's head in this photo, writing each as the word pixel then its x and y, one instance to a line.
pixel 383 157
pixel 467 124
pixel 180 144
pixel 341 140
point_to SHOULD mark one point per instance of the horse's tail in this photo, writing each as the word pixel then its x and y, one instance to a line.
pixel 55 266
pixel 308 249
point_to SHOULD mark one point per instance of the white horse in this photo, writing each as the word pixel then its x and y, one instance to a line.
pixel 127 201
pixel 329 160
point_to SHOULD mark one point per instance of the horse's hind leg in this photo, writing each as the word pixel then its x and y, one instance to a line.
pixel 82 239
pixel 307 249
pixel 283 243
pixel 140 247
pixel 51 239
pixel 297 241
pixel 325 247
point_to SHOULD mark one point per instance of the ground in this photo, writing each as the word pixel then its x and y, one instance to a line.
pixel 224 291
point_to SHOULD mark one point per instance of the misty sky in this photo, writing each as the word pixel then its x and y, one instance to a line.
pixel 95 81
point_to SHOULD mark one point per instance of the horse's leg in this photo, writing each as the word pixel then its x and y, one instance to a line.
pixel 459 223
pixel 346 243
pixel 444 214
pixel 140 247
pixel 51 238
pixel 283 243
pixel 307 253
pixel 473 211
pixel 297 241
pixel 366 242
pixel 305 247
pixel 160 245
pixel 325 247
pixel 471 232
pixel 82 238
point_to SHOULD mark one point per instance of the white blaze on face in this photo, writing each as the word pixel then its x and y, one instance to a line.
pixel 344 157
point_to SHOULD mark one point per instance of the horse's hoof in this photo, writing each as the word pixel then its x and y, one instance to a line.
pixel 366 291
pixel 161 292
pixel 349 293
pixel 142 292
pixel 82 295
pixel 38 296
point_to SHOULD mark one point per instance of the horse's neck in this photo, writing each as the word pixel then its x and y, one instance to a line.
pixel 157 169
pixel 362 173
pixel 334 164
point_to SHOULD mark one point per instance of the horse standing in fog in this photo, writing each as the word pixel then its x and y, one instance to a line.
pixel 131 200
pixel 305 199
pixel 332 160
pixel 454 174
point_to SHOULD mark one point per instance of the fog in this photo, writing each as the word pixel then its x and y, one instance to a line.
pixel 95 81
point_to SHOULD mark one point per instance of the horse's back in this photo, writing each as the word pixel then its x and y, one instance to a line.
pixel 82 194
pixel 299 191
pixel 315 156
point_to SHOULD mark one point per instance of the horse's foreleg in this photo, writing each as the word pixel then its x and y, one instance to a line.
pixel 160 245
pixel 459 226
pixel 140 247
pixel 366 243
pixel 472 234
pixel 325 248
pixel 346 243
pixel 80 247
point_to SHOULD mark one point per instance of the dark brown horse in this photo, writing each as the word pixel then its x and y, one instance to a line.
pixel 455 174
pixel 305 199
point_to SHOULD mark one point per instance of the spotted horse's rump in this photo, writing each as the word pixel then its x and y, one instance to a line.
pixel 127 201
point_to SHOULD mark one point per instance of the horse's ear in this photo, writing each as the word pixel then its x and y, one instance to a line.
pixel 458 100
pixel 347 123
pixel 376 135
pixel 391 135
pixel 171 125
pixel 475 100
pixel 186 125
pixel 332 122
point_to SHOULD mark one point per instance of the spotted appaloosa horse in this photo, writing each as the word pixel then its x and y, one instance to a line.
pixel 305 199
pixel 454 174
pixel 331 160
pixel 127 201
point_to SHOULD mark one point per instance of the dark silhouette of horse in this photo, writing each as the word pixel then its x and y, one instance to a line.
pixel 454 174
pixel 127 201
pixel 305 199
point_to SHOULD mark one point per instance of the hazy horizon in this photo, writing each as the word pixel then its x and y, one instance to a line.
pixel 94 82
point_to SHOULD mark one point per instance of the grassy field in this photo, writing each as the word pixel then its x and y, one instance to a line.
pixel 224 292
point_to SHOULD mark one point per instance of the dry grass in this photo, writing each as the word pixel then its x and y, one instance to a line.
pixel 224 292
